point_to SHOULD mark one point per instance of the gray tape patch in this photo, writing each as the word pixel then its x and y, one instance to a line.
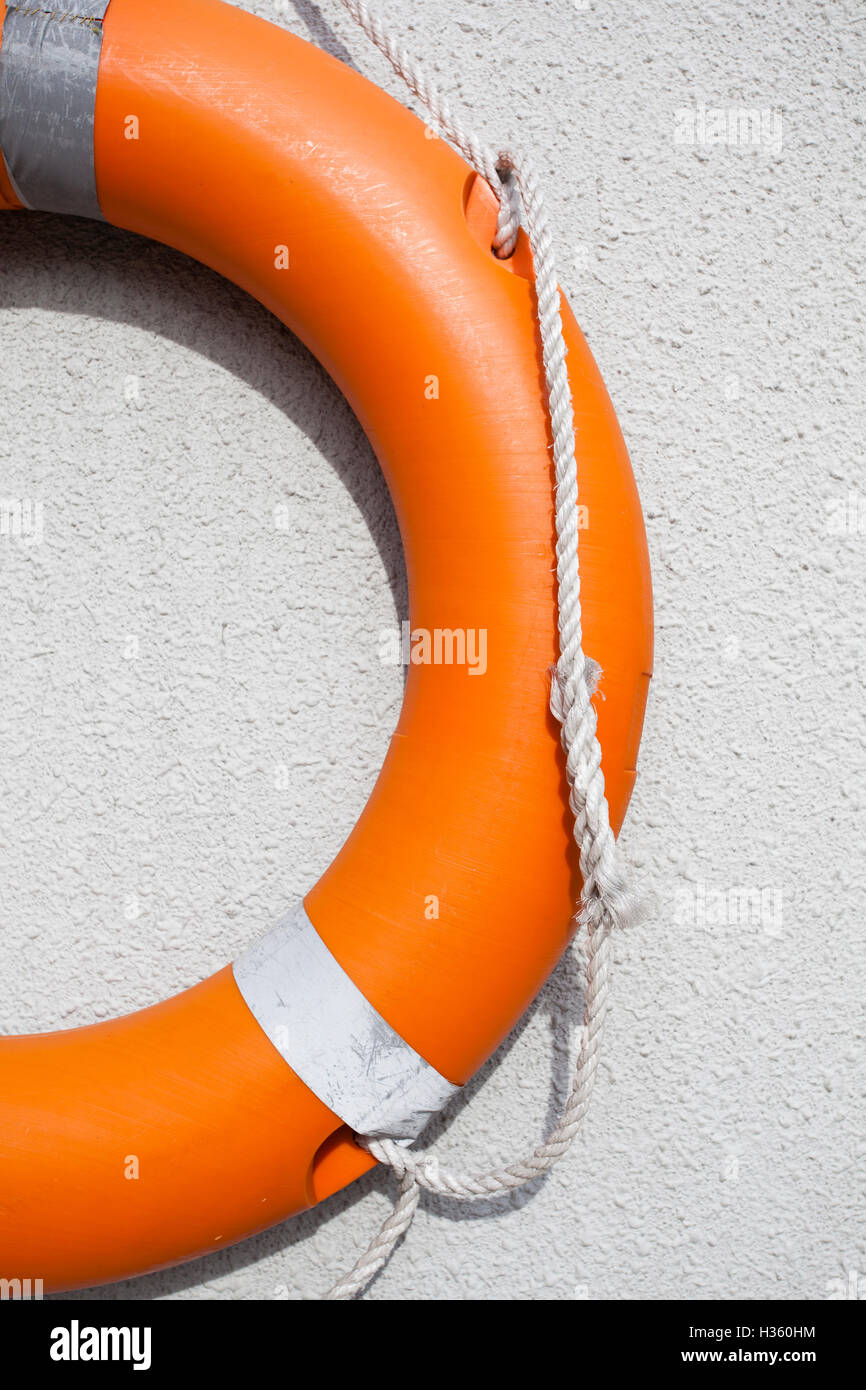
pixel 49 62
pixel 333 1038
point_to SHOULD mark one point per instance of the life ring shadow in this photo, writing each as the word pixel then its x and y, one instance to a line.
pixel 111 274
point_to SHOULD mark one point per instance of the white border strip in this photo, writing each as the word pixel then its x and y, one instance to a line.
pixel 333 1038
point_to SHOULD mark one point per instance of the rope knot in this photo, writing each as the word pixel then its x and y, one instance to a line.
pixel 610 905
pixel 563 687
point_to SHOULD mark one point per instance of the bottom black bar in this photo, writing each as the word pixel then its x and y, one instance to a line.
pixel 62 1338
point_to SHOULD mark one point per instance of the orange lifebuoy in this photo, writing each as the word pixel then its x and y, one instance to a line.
pixel 284 170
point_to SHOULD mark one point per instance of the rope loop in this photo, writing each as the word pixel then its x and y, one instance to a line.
pixel 606 903
pixel 509 217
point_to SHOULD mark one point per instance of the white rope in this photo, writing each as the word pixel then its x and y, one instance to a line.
pixel 605 902
pixel 473 150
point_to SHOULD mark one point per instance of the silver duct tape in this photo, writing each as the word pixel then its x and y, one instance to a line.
pixel 333 1038
pixel 49 63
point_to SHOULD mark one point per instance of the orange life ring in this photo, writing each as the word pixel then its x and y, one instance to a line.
pixel 275 164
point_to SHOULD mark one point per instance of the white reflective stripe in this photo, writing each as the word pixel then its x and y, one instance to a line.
pixel 333 1038
pixel 49 63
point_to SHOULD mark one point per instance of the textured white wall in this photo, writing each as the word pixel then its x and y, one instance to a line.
pixel 162 416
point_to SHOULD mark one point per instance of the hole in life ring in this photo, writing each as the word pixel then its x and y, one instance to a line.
pixel 337 1162
pixel 192 523
pixel 480 208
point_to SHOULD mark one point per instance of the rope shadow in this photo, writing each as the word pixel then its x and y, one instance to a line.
pixel 321 33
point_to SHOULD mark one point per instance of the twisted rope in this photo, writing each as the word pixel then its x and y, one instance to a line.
pixel 473 150
pixel 605 902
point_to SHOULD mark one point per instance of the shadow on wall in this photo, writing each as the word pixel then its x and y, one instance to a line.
pixel 91 270
pixel 321 34
pixel 94 271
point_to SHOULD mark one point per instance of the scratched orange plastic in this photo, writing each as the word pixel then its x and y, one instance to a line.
pixel 157 1137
